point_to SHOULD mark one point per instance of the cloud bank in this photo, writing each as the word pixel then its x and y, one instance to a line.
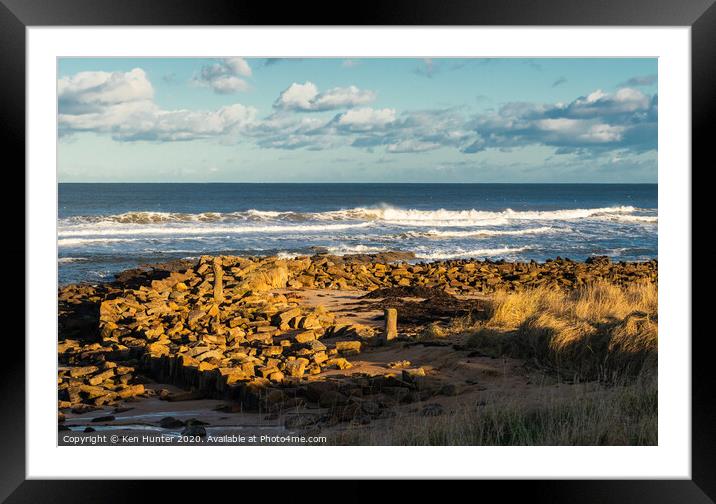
pixel 626 119
pixel 121 104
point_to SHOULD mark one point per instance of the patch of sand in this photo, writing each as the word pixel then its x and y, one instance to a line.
pixel 344 303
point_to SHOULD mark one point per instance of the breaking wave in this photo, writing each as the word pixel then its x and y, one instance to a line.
pixel 436 233
pixel 467 254
pixel 386 225
pixel 639 219
pixel 198 230
pixel 354 249
pixel 386 214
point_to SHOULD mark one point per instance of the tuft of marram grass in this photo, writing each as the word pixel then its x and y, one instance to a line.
pixel 436 330
pixel 433 331
pixel 600 331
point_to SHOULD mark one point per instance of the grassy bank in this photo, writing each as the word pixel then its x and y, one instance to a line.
pixel 600 331
pixel 619 415
pixel 597 332
pixel 601 337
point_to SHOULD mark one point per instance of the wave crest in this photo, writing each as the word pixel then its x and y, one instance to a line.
pixel 387 214
pixel 198 231
pixel 469 254
pixel 437 234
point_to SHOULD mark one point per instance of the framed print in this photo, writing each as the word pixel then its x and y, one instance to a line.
pixel 422 242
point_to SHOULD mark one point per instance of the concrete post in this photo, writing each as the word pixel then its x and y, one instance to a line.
pixel 218 281
pixel 391 325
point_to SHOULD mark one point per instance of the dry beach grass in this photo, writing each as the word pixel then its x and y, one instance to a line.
pixel 601 335
pixel 618 416
pixel 599 331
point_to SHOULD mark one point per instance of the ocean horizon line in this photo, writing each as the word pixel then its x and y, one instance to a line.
pixel 369 183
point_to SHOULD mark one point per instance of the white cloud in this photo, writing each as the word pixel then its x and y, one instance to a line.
pixel 594 96
pixel 133 121
pixel 239 66
pixel 599 103
pixel 297 97
pixel 343 97
pixel 625 119
pixel 228 84
pixel 603 133
pixel 561 124
pixel 364 119
pixel 289 131
pixel 225 76
pixel 88 91
pixel 121 105
pixel 565 130
pixel 306 98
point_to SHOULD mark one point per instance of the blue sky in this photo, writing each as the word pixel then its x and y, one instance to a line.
pixel 366 120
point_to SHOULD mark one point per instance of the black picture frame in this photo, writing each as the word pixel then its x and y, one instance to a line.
pixel 700 15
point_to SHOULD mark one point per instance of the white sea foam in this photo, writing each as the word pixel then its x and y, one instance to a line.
pixel 437 234
pixel 97 231
pixel 288 255
pixel 472 217
pixel 639 219
pixel 466 254
pixel 69 242
pixel 354 249
pixel 64 260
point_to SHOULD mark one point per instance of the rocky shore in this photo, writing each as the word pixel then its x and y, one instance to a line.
pixel 237 329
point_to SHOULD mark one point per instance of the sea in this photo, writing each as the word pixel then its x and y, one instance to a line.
pixel 106 228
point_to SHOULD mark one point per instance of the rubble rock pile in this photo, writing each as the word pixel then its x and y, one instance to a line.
pixel 466 276
pixel 88 376
pixel 215 328
pixel 229 327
